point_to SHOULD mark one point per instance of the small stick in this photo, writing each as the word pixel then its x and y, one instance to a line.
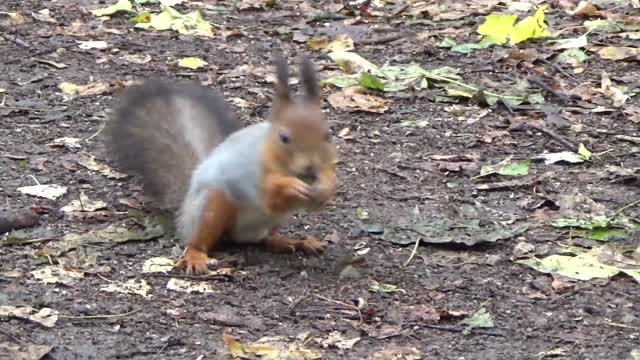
pixel 37 53
pixel 98 316
pixel 413 252
pixel 383 39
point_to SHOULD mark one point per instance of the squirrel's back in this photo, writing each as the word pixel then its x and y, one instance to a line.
pixel 161 131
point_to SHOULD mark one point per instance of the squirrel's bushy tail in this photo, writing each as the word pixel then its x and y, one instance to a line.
pixel 161 131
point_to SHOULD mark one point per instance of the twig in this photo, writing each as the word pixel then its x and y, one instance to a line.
pixel 624 326
pixel 96 134
pixel 37 53
pixel 538 81
pixel 22 242
pixel 562 140
pixel 352 307
pixel 34 179
pixel 191 277
pixel 16 40
pixel 89 317
pixel 383 39
pixel 413 252
pixel 626 207
pixel 561 70
pixel 456 329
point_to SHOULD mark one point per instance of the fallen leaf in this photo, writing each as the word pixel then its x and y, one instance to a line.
pixel 337 339
pixel 90 163
pixel 15 19
pixel 480 319
pixel 158 265
pixel 120 6
pixel 605 261
pixel 342 42
pixel 95 88
pixel 587 9
pixel 193 63
pixel 618 52
pixel 463 224
pixel 137 58
pixel 86 45
pixel 355 99
pixel 498 28
pixel 57 274
pixel 84 204
pixel 385 288
pixel 169 19
pixel 51 192
pixel 572 43
pixel 133 286
pixel 612 92
pixel 189 286
pixel 43 15
pixel 24 351
pixel 46 317
pixel 507 168
pixel 563 156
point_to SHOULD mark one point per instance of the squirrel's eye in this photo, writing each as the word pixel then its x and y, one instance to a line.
pixel 284 137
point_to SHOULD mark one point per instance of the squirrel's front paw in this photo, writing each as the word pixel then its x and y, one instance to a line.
pixel 194 262
pixel 298 190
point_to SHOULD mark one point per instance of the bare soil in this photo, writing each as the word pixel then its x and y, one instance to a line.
pixel 385 168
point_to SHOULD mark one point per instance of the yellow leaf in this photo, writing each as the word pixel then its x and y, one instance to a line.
pixel 584 152
pixel 341 43
pixel 354 99
pixel 121 5
pixel 192 63
pixel 531 27
pixel 497 27
pixel 235 348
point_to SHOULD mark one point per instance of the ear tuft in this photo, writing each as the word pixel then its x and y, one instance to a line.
pixel 309 80
pixel 283 92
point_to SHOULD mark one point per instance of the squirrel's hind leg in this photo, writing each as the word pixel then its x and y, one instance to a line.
pixel 276 242
pixel 218 215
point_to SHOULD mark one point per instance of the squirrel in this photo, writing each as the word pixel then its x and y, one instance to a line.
pixel 226 182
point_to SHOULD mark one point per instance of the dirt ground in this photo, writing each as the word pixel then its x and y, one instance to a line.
pixel 385 168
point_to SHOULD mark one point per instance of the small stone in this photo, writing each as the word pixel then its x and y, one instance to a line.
pixel 522 249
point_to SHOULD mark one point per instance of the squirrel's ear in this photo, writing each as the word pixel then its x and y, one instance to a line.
pixel 309 80
pixel 283 93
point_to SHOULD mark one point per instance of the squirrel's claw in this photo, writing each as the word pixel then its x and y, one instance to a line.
pixel 194 262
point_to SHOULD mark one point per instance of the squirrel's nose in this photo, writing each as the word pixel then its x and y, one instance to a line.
pixel 310 174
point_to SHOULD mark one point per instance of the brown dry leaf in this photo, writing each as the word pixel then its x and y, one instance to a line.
pixel 45 316
pixel 10 19
pixel 84 204
pixel 57 274
pixel 616 53
pixel 586 9
pixel 256 4
pixel 94 88
pixel 562 286
pixel 356 99
pixel 90 163
pixel 612 92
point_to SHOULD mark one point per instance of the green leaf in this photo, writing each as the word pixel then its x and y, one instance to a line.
pixel 602 25
pixel 458 93
pixel 599 221
pixel 369 81
pixel 480 319
pixel 447 42
pixel 342 81
pixel 575 56
pixel 120 6
pixel 515 168
pixel 535 98
pixel 605 234
pixel 352 63
pixel 192 63
pixel 507 168
pixel 467 48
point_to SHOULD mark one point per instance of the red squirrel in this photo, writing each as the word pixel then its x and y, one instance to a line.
pixel 227 182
